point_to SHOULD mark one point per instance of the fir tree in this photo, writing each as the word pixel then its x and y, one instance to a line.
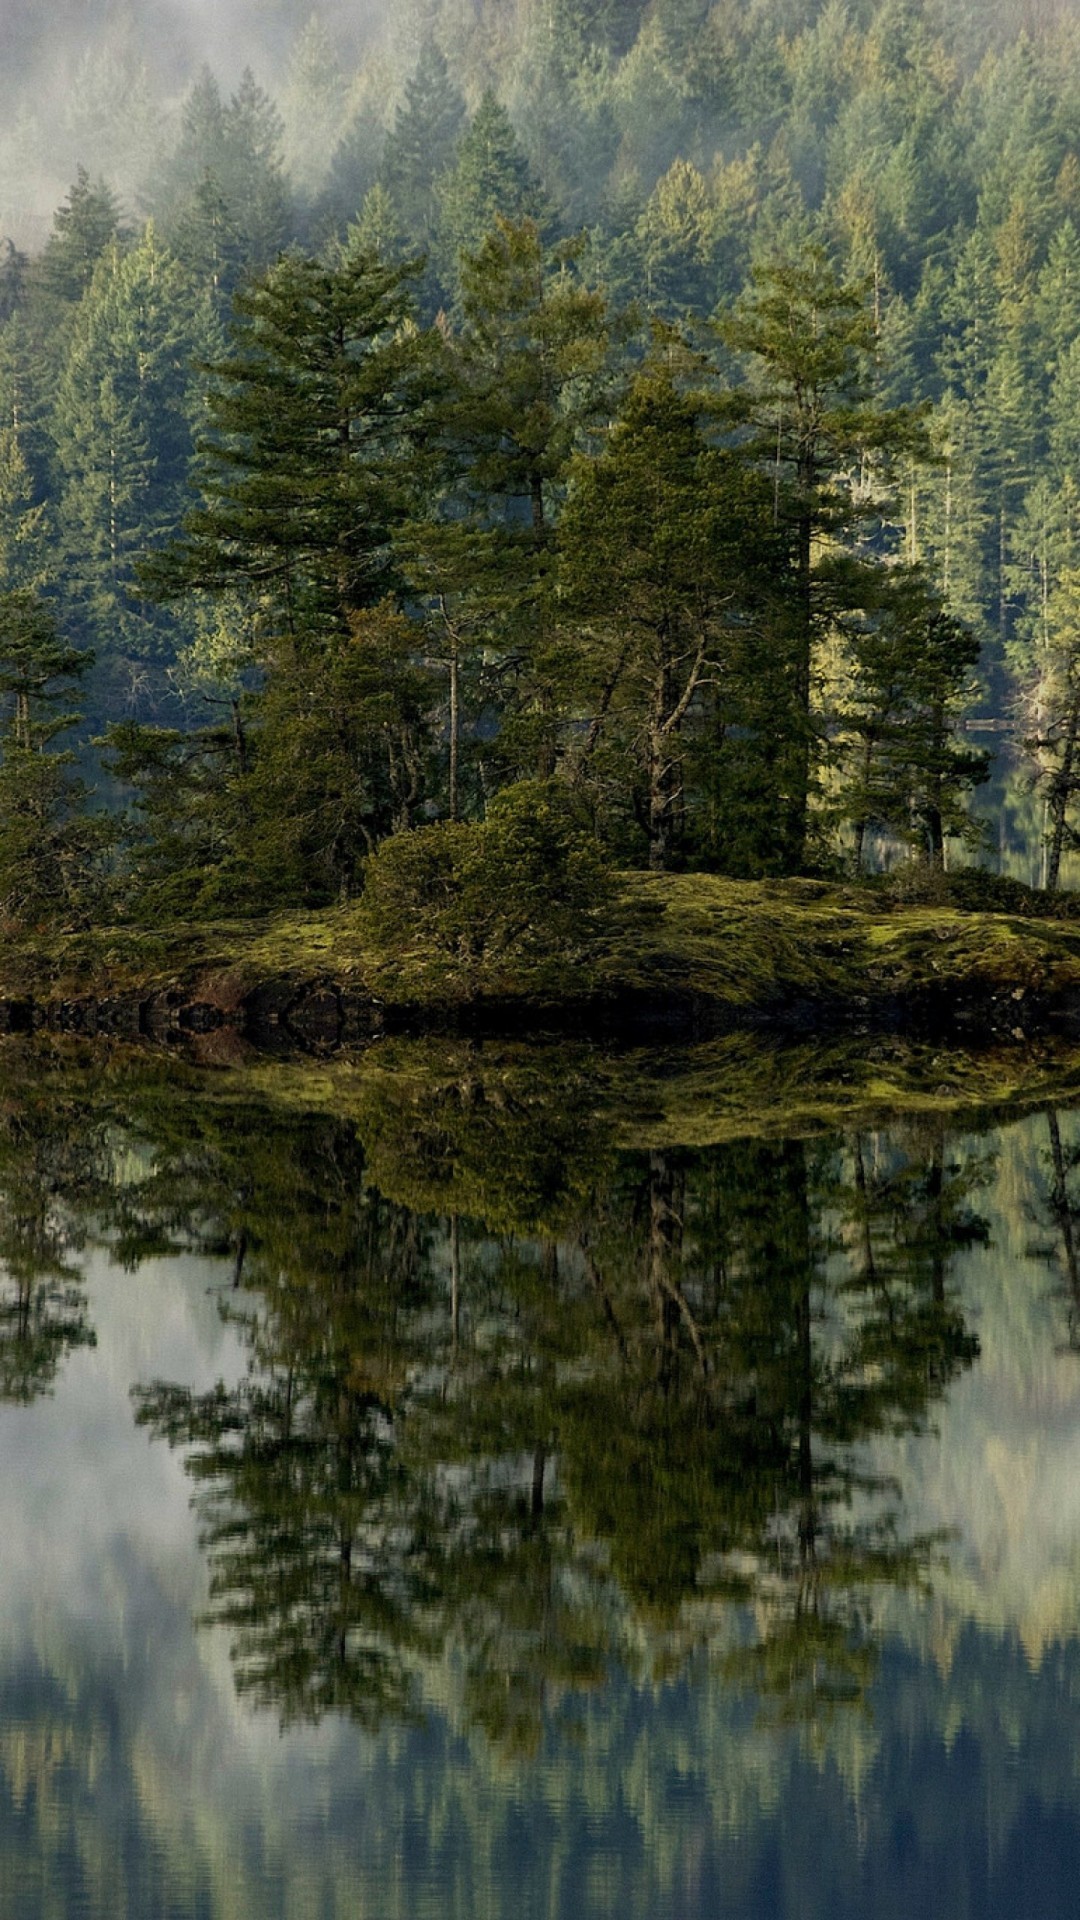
pixel 50 846
pixel 421 144
pixel 808 339
pixel 123 430
pixel 490 179
pixel 658 561
pixel 84 227
pixel 911 663
pixel 303 470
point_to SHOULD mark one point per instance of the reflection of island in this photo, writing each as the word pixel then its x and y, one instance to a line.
pixel 638 1391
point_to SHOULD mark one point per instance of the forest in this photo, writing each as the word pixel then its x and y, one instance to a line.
pixel 514 443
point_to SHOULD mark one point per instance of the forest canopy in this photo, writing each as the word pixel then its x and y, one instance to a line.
pixel 675 403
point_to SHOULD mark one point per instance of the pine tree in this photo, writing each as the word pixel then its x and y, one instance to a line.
pixel 303 470
pixel 229 157
pixel 1050 715
pixel 353 171
pixel 123 424
pixel 50 846
pixel 208 243
pixel 911 663
pixel 659 542
pixel 490 179
pixel 84 227
pixel 421 145
pixel 25 533
pixel 530 367
pixel 313 106
pixel 808 340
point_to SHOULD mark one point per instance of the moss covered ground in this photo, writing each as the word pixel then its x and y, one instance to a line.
pixel 748 947
pixel 458 1124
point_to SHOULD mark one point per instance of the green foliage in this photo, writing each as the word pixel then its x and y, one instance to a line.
pixel 51 847
pixel 123 434
pixel 490 179
pixel 300 473
pixel 84 227
pixel 906 771
pixel 884 213
pixel 664 557
pixel 685 1333
pixel 524 895
pixel 235 146
pixel 420 148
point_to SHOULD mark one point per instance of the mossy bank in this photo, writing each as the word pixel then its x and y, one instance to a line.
pixel 688 953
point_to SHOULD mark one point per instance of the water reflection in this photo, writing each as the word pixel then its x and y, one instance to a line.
pixel 50 1175
pixel 637 1400
pixel 577 1508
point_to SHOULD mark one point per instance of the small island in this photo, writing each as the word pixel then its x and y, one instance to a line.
pixel 671 957
pixel 526 667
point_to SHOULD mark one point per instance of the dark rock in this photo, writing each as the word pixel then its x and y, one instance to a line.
pixel 198 1016
pixel 316 1016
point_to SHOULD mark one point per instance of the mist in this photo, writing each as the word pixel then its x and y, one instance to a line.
pixel 174 36
pixel 99 83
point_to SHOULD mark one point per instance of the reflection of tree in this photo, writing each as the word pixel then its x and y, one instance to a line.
pixel 1058 1215
pixel 300 1485
pixel 646 1396
pixel 909 1213
pixel 732 1465
pixel 49 1172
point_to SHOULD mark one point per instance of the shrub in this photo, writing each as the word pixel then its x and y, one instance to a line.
pixel 515 899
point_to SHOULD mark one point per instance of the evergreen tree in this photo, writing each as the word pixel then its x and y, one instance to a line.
pixel 84 228
pixel 530 369
pixel 421 145
pixel 808 339
pixel 25 532
pixel 660 543
pixel 235 146
pixel 910 669
pixel 313 106
pixel 490 179
pixel 307 471
pixel 50 848
pixel 303 472
pixel 123 425
pixel 353 171
pixel 209 245
pixel 1050 710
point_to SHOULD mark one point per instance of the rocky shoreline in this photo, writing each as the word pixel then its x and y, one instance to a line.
pixel 323 1014
pixel 681 958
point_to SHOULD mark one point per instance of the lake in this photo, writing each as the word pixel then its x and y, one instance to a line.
pixel 475 1481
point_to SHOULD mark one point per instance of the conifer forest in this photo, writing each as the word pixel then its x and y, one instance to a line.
pixel 662 416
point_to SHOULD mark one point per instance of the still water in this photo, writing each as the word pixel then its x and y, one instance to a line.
pixel 530 1489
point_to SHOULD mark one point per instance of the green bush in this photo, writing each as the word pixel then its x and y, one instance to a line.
pixel 517 899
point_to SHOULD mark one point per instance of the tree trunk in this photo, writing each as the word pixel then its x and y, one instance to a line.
pixel 798 807
pixel 455 723
pixel 455 1282
pixel 663 771
pixel 935 835
pixel 539 1469
pixel 663 1247
pixel 1059 796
